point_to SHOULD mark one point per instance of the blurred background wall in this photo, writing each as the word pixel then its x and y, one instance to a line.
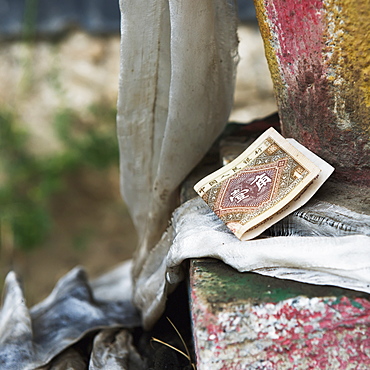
pixel 59 185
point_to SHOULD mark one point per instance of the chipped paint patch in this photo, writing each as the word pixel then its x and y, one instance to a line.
pixel 304 332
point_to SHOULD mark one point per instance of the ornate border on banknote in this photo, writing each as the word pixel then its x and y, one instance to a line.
pixel 259 184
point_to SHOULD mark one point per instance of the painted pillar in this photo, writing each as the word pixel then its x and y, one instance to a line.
pixel 319 58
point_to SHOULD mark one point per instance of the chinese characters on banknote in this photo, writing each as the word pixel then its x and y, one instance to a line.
pixel 272 178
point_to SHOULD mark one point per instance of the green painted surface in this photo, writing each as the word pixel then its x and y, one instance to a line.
pixel 218 283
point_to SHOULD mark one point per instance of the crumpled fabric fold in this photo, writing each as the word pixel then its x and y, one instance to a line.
pixel 32 338
pixel 197 232
pixel 177 78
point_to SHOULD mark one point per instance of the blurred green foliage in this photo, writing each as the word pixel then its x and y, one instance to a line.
pixel 28 181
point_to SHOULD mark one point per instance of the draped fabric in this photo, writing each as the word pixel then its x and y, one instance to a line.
pixel 31 338
pixel 178 62
pixel 331 257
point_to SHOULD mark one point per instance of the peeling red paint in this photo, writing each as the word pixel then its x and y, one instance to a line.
pixel 298 26
pixel 340 324
pixel 297 333
pixel 303 95
pixel 321 79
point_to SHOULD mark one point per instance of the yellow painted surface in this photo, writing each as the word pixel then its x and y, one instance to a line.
pixel 270 52
pixel 345 58
pixel 348 43
pixel 318 53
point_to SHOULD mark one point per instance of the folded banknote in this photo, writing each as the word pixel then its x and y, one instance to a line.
pixel 273 177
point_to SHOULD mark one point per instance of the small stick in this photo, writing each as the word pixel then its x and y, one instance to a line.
pixel 180 336
pixel 187 354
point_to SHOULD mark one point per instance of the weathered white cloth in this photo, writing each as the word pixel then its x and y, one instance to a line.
pixel 33 338
pixel 178 63
pixel 197 232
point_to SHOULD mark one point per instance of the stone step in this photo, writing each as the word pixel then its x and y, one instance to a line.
pixel 250 321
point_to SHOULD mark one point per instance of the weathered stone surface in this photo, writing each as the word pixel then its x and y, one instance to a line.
pixel 318 55
pixel 248 321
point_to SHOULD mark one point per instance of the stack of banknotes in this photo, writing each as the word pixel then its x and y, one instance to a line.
pixel 273 177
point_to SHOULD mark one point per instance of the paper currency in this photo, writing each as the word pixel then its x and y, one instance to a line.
pixel 273 177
